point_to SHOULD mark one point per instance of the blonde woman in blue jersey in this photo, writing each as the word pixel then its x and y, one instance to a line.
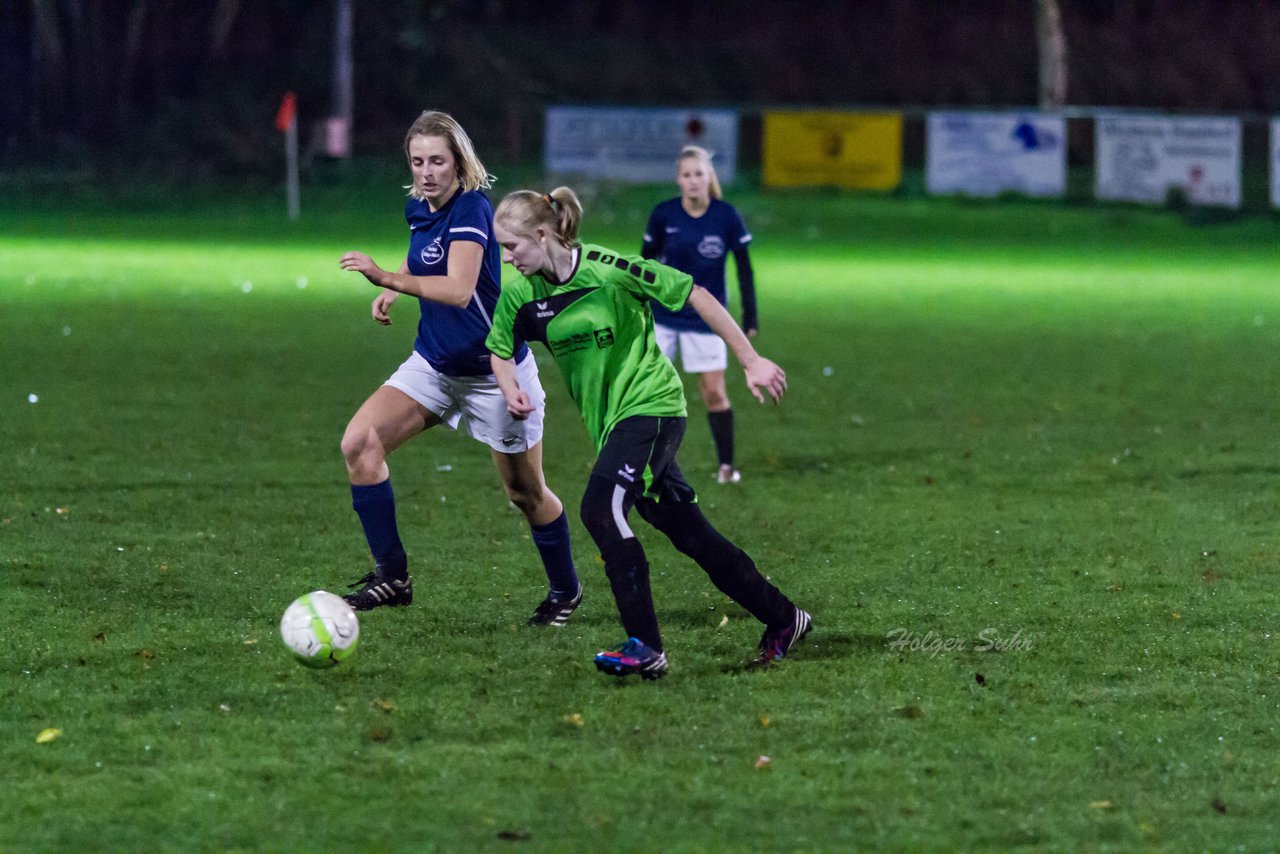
pixel 696 232
pixel 591 308
pixel 453 269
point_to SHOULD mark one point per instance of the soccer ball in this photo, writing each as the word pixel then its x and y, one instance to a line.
pixel 320 629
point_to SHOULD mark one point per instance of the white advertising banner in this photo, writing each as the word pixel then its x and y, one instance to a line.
pixel 1142 158
pixel 986 154
pixel 637 145
pixel 1275 163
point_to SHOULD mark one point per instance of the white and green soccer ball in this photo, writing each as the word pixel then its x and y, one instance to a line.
pixel 320 629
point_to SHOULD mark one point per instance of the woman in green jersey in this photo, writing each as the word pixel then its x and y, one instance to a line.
pixel 590 307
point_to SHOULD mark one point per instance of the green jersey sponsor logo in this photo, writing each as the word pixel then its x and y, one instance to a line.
pixel 597 339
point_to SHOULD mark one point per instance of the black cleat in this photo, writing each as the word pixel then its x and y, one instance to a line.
pixel 555 612
pixel 777 643
pixel 379 591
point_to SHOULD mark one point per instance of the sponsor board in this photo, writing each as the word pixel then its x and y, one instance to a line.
pixel 858 151
pixel 1145 158
pixel 986 154
pixel 637 145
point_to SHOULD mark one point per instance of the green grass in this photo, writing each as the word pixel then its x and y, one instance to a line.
pixel 1048 425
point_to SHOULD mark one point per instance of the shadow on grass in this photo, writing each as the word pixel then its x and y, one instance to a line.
pixel 822 646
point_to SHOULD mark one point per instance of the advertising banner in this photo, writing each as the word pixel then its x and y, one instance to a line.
pixel 986 154
pixel 1143 158
pixel 638 145
pixel 859 151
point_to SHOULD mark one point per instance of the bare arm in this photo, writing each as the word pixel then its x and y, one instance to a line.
pixel 455 288
pixel 761 373
pixel 518 402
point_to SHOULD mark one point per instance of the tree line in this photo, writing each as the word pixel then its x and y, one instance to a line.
pixel 197 82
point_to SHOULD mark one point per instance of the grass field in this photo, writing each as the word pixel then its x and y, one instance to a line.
pixel 1025 479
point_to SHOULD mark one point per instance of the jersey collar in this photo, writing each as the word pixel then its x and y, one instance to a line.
pixel 573 271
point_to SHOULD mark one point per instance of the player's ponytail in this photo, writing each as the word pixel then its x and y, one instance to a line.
pixel 560 211
pixel 568 211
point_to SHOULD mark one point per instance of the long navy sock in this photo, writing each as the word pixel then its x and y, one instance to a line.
pixel 722 434
pixel 376 506
pixel 552 540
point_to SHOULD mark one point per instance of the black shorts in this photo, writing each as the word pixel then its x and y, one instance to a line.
pixel 640 456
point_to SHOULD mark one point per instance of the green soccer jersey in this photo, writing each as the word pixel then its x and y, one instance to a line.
pixel 599 329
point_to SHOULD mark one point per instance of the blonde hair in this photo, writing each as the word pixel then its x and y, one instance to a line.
pixel 697 152
pixel 471 172
pixel 525 210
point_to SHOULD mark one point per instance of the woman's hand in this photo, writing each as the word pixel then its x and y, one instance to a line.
pixel 518 404
pixel 363 264
pixel 764 374
pixel 381 303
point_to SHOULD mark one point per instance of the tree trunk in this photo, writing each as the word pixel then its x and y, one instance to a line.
pixel 1053 55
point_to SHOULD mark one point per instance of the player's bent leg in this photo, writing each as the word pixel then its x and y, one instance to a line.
pixel 730 569
pixel 735 574
pixel 384 422
pixel 525 485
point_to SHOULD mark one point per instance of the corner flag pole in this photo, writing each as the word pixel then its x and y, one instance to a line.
pixel 287 123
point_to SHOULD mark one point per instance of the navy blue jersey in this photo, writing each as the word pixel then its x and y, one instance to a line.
pixel 698 246
pixel 452 339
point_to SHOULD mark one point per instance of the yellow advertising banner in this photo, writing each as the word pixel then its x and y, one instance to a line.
pixel 857 151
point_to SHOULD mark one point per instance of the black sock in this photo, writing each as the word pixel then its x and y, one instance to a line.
pixel 722 434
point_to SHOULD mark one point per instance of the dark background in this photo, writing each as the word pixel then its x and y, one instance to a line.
pixel 191 88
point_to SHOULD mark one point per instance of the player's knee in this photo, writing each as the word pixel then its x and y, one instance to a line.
pixel 527 497
pixel 598 514
pixel 599 524
pixel 692 535
pixel 361 450
pixel 715 398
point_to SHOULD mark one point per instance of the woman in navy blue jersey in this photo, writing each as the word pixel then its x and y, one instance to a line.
pixel 695 233
pixel 453 268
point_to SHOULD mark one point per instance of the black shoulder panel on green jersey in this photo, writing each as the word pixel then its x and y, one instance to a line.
pixel 533 317
pixel 622 264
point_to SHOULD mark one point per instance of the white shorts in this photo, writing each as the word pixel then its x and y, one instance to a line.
pixel 476 402
pixel 700 352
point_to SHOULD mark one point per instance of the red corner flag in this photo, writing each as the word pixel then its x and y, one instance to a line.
pixel 288 112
